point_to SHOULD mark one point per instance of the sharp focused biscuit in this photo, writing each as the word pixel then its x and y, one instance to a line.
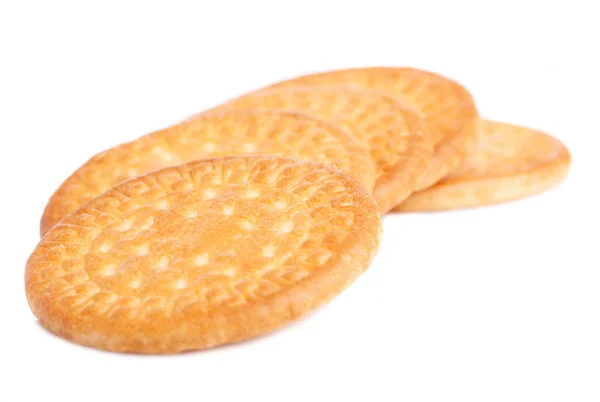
pixel 447 107
pixel 400 144
pixel 509 163
pixel 214 134
pixel 203 254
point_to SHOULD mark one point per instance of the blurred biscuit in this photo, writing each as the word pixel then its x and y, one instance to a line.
pixel 508 163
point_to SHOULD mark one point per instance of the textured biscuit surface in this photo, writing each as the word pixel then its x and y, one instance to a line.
pixel 508 163
pixel 447 107
pixel 202 254
pixel 214 134
pixel 400 144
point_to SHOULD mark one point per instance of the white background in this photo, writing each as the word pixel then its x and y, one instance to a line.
pixel 494 304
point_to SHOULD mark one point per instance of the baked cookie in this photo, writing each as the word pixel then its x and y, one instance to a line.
pixel 215 134
pixel 447 107
pixel 509 163
pixel 203 254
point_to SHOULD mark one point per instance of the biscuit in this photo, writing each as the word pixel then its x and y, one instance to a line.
pixel 447 107
pixel 509 163
pixel 203 254
pixel 400 145
pixel 215 134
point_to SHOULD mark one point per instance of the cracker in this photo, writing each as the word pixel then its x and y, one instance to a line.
pixel 215 134
pixel 447 107
pixel 203 254
pixel 509 163
pixel 397 137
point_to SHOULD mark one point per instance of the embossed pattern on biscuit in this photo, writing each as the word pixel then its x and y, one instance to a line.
pixel 217 134
pixel 447 107
pixel 508 163
pixel 400 144
pixel 203 254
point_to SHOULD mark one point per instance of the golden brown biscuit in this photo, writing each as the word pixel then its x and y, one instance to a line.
pixel 209 135
pixel 397 137
pixel 447 107
pixel 509 163
pixel 203 254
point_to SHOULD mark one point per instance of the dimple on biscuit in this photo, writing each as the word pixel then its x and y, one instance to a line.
pixel 202 254
pixel 400 144
pixel 446 106
pixel 232 132
pixel 509 163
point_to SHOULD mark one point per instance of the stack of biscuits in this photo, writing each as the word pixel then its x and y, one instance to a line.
pixel 243 218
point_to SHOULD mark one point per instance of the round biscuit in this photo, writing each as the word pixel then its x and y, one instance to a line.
pixel 447 107
pixel 508 163
pixel 213 134
pixel 203 254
